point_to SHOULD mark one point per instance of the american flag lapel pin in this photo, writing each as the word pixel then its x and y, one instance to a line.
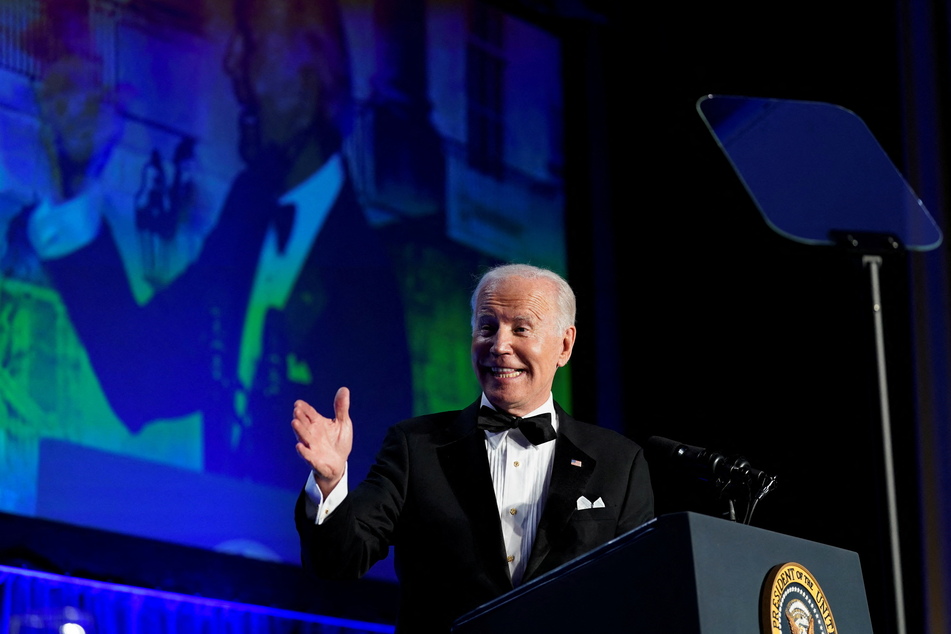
pixel 575 463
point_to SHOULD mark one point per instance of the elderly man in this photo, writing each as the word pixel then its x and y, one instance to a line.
pixel 476 501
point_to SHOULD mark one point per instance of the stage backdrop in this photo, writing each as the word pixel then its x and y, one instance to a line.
pixel 157 316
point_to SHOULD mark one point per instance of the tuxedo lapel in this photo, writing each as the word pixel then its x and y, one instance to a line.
pixel 571 469
pixel 464 462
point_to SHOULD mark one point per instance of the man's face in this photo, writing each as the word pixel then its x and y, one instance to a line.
pixel 272 66
pixel 517 346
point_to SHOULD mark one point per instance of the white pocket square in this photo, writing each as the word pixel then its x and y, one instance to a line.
pixel 584 504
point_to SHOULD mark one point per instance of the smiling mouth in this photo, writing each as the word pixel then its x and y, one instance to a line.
pixel 506 373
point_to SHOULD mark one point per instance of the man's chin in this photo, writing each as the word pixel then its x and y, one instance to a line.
pixel 501 398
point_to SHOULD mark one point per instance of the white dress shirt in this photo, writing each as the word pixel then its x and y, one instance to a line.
pixel 521 473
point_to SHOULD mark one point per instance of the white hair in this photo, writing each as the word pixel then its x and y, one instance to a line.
pixel 564 296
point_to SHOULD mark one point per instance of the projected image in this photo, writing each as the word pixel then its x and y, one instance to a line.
pixel 211 209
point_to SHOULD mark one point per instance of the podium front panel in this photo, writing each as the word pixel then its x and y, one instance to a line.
pixel 682 572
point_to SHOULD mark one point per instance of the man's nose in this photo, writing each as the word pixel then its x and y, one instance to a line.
pixel 502 342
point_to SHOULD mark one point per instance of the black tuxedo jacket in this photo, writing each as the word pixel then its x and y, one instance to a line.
pixel 430 496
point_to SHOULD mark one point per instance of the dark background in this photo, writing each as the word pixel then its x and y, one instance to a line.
pixel 726 335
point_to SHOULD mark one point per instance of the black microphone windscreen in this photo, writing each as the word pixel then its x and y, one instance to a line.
pixel 662 447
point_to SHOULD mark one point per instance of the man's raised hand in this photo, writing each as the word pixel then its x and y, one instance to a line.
pixel 323 442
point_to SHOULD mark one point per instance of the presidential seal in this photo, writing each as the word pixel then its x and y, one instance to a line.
pixel 793 603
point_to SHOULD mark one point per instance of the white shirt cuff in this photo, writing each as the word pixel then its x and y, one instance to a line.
pixel 319 508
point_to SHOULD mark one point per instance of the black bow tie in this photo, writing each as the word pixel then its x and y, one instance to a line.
pixel 283 220
pixel 537 429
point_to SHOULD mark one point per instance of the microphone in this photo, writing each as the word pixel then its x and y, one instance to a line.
pixel 734 477
pixel 706 462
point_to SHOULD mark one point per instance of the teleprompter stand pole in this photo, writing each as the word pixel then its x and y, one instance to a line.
pixel 874 263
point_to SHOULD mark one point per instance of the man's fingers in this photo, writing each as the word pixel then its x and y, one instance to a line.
pixel 304 411
pixel 304 451
pixel 342 405
pixel 322 442
pixel 298 428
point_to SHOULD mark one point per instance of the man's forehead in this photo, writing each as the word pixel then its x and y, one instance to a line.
pixel 518 297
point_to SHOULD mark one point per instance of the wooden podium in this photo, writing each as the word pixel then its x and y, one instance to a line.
pixel 680 573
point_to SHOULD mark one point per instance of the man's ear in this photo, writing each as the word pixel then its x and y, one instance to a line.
pixel 568 344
